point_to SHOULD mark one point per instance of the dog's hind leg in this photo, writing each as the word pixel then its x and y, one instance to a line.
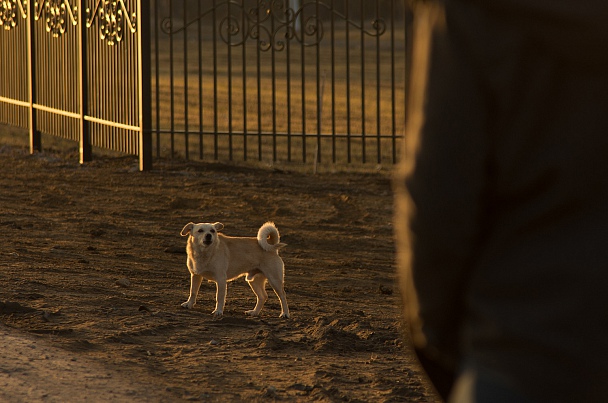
pixel 258 285
pixel 276 282
pixel 195 284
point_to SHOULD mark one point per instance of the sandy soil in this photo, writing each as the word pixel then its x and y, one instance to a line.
pixel 93 271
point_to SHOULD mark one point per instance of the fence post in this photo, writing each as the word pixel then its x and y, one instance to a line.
pixel 35 138
pixel 86 152
pixel 144 85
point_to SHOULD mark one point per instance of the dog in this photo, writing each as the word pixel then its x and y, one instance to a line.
pixel 221 258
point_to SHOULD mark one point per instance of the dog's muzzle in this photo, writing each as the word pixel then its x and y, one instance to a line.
pixel 208 240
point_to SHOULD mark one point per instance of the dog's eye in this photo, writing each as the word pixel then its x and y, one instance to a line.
pixel 200 230
pixel 212 231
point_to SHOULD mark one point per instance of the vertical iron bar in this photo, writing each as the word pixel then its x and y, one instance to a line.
pixel 407 40
pixel 22 85
pixel 393 109
pixel 303 61
pixel 348 121
pixel 135 107
pixel 106 102
pixel 85 135
pixel 200 84
pixel 259 82
pixel 274 91
pixel 56 87
pixel 157 72
pixel 378 88
pixel 144 96
pixel 20 92
pixel 35 137
pixel 41 56
pixel 131 58
pixel 333 84
pixel 171 85
pixel 363 143
pixel 229 81
pixel 186 79
pixel 319 89
pixel 92 62
pixel 288 37
pixel 57 101
pixel 244 64
pixel 123 113
pixel 215 121
pixel 119 107
pixel 41 44
pixel 117 103
pixel 128 63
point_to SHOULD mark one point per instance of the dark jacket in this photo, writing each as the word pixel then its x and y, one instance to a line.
pixel 502 200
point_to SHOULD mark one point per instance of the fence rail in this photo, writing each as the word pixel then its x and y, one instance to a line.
pixel 292 80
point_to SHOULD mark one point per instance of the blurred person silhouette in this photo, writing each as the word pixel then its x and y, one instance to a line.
pixel 501 205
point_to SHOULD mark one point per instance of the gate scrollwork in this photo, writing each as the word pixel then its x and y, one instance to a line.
pixel 57 13
pixel 112 15
pixel 113 19
pixel 9 11
pixel 239 24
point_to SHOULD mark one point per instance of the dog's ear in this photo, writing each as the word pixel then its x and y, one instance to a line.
pixel 218 226
pixel 187 229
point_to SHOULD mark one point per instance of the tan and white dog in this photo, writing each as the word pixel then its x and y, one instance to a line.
pixel 222 258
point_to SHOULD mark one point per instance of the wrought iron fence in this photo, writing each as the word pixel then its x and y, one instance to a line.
pixel 288 80
pixel 280 80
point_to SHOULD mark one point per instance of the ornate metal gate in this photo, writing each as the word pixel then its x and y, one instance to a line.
pixel 79 70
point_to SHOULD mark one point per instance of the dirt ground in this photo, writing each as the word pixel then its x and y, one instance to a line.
pixel 93 270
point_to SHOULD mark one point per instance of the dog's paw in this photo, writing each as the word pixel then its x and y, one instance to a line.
pixel 187 305
pixel 252 313
pixel 284 315
pixel 217 313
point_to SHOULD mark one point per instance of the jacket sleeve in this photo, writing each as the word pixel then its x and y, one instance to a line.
pixel 439 190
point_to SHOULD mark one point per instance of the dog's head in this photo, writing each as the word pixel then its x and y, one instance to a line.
pixel 204 234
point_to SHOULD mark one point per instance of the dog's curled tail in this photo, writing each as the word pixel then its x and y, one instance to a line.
pixel 269 238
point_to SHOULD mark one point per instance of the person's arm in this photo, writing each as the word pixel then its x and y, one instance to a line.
pixel 439 195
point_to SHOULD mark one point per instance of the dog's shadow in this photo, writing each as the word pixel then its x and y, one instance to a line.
pixel 236 321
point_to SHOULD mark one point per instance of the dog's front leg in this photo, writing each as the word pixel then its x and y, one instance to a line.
pixel 220 297
pixel 195 284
